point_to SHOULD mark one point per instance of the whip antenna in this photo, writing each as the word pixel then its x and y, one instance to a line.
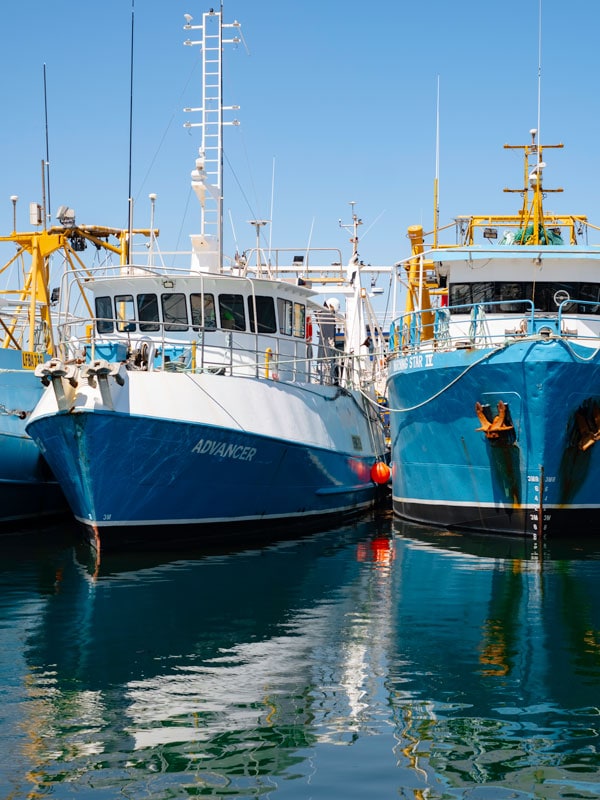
pixel 49 211
pixel 130 200
pixel 436 199
pixel 539 112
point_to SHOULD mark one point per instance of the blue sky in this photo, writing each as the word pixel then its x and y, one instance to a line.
pixel 337 97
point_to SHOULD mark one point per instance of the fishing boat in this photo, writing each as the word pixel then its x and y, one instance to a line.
pixel 216 396
pixel 28 489
pixel 494 374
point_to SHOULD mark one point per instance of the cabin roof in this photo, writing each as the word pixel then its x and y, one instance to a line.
pixel 546 253
pixel 177 282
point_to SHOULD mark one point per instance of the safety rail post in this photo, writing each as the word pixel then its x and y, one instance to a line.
pixel 229 345
pixel 201 343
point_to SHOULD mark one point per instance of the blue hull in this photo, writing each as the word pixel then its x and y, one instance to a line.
pixel 28 490
pixel 533 480
pixel 128 479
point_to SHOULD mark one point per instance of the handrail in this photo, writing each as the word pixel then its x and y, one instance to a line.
pixel 219 350
pixel 476 325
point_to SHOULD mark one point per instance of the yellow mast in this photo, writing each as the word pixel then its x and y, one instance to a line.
pixel 417 298
pixel 533 221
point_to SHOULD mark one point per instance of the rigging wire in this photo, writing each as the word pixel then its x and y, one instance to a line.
pixel 244 195
pixel 235 241
pixel 161 142
pixel 248 162
pixel 183 218
pixel 375 221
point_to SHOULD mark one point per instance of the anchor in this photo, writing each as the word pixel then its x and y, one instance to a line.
pixel 63 378
pixel 589 434
pixel 100 370
pixel 493 429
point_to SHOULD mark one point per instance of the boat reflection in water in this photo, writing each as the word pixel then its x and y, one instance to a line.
pixel 500 687
pixel 377 659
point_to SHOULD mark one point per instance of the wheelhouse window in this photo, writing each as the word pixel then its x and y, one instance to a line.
pixel 204 314
pixel 509 297
pixel 469 293
pixel 549 296
pixel 147 305
pixel 265 313
pixel 174 311
pixel 104 315
pixel 300 320
pixel 285 312
pixel 125 313
pixel 231 312
pixel 508 292
pixel 590 292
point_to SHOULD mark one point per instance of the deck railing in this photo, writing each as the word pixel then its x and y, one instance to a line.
pixel 477 325
pixel 219 351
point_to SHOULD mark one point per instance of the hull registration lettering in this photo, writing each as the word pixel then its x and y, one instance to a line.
pixel 31 360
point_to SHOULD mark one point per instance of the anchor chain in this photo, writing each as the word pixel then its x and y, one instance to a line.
pixel 13 412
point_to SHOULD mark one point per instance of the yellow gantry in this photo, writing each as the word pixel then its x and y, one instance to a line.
pixel 33 297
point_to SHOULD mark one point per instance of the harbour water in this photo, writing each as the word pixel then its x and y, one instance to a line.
pixel 375 660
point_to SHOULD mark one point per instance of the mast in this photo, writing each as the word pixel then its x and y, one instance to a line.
pixel 130 191
pixel 207 177
pixel 532 214
pixel 355 320
pixel 533 225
